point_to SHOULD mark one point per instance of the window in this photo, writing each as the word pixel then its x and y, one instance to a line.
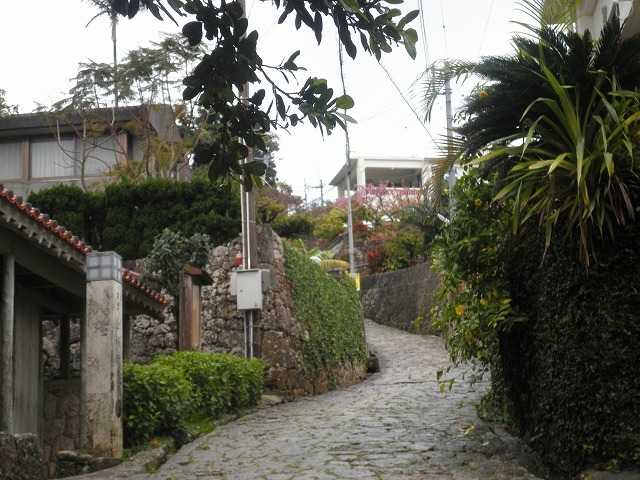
pixel 52 158
pixel 10 160
pixel 101 153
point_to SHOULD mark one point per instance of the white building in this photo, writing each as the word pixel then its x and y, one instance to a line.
pixel 593 14
pixel 397 172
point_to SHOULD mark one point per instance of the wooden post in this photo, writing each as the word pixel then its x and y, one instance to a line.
pixel 65 346
pixel 190 311
pixel 8 329
pixel 126 337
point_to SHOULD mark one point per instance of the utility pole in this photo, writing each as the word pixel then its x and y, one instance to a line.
pixel 249 238
pixel 447 97
pixel 321 187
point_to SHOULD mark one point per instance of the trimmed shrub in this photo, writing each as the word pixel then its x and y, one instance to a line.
pixel 157 400
pixel 137 213
pixel 127 217
pixel 293 226
pixel 70 206
pixel 331 313
pixel 222 382
pixel 572 370
pixel 163 397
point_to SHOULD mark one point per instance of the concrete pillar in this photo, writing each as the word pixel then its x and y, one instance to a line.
pixel 6 336
pixel 101 357
pixel 361 179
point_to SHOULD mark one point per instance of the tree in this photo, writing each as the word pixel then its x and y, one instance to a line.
pixel 170 253
pixel 108 7
pixel 145 83
pixel 5 108
pixel 551 118
pixel 233 62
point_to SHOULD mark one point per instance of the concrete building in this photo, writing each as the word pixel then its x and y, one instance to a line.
pixel 48 272
pixel 39 150
pixel 593 14
pixel 398 172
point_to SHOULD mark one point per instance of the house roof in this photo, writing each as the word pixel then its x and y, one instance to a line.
pixel 160 117
pixel 45 233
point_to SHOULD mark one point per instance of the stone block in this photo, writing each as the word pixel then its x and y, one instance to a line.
pixel 53 428
pixel 50 406
pixel 63 443
pixel 29 457
pixel 72 429
pixel 46 452
pixel 8 455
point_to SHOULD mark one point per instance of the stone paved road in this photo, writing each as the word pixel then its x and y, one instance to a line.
pixel 396 425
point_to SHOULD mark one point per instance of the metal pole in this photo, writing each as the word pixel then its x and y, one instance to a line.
pixel 249 237
pixel 447 96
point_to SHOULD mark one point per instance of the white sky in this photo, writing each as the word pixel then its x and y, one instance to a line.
pixel 42 42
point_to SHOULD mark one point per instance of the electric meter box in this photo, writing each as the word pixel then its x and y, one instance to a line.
pixel 248 286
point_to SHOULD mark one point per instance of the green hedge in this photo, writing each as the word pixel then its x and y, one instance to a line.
pixel 573 371
pixel 330 311
pixel 161 398
pixel 127 217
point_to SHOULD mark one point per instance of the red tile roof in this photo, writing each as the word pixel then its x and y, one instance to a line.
pixel 129 277
pixel 73 240
pixel 44 219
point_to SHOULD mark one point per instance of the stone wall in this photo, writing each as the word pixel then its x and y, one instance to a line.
pixel 279 334
pixel 151 337
pixel 20 457
pixel 279 339
pixel 402 298
pixel 51 348
pixel 61 420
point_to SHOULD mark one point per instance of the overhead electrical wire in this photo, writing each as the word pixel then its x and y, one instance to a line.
pixel 486 26
pixel 411 107
pixel 444 31
pixel 423 31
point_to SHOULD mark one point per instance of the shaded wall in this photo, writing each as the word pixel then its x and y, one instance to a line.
pixel 402 298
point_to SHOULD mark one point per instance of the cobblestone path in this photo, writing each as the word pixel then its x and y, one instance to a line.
pixel 396 425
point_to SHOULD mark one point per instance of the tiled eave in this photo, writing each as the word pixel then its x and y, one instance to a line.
pixel 42 231
pixel 45 233
pixel 131 278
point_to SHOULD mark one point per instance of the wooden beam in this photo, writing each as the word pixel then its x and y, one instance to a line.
pixel 62 274
pixel 46 301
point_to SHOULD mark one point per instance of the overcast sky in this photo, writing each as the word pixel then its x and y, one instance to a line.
pixel 42 42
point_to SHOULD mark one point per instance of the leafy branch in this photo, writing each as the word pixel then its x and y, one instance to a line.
pixel 217 82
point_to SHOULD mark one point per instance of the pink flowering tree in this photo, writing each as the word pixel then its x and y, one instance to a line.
pixel 384 226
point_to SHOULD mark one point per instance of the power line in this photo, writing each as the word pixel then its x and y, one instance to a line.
pixel 485 28
pixel 411 107
pixel 423 31
pixel 444 32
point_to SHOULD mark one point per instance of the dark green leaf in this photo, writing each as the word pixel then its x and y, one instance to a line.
pixel 344 102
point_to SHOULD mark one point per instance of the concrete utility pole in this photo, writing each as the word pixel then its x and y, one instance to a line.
pixel 249 237
pixel 321 187
pixel 447 97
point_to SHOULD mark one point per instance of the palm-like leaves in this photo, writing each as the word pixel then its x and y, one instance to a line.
pixel 577 163
pixel 558 120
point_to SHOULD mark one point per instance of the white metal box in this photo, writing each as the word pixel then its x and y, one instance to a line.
pixel 248 286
